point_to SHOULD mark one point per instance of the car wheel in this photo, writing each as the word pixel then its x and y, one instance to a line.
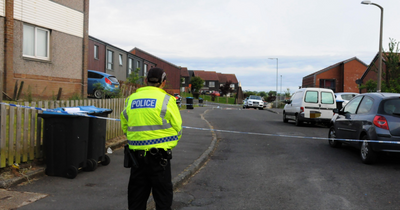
pixel 368 156
pixel 332 135
pixel 284 118
pixel 98 94
pixel 298 121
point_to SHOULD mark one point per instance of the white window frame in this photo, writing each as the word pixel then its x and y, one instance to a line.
pixel 204 84
pixel 211 84
pixel 35 44
pixel 232 86
pixel 110 62
pixel 120 59
pixel 96 52
pixel 145 70
pixel 130 66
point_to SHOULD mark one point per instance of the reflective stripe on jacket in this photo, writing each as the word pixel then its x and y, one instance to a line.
pixel 150 119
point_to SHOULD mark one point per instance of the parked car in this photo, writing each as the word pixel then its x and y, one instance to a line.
pixel 100 82
pixel 253 102
pixel 310 105
pixel 343 98
pixel 215 93
pixel 368 116
pixel 178 99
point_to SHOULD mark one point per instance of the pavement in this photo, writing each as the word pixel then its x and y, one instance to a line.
pixel 35 190
pixel 31 190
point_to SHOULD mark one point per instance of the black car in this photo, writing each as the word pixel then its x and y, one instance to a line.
pixel 370 122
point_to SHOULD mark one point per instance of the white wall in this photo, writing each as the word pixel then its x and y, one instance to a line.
pixel 2 8
pixel 49 15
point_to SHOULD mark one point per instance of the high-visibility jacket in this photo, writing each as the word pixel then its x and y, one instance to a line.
pixel 150 119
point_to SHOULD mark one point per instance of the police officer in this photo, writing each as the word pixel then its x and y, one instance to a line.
pixel 153 126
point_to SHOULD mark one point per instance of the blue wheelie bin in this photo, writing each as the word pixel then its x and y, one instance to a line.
pixel 65 141
pixel 97 137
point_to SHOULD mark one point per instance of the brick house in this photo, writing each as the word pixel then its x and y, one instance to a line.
pixel 371 73
pixel 45 46
pixel 173 71
pixel 223 78
pixel 340 77
pixel 185 79
pixel 110 59
pixel 211 80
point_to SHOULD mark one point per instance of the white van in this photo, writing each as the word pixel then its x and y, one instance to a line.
pixel 310 105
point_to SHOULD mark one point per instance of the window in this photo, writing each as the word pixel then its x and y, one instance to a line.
pixel 211 84
pixel 204 84
pixel 232 86
pixel 138 64
pixel 96 52
pixel 365 105
pixel 326 98
pixel 130 66
pixel 36 42
pixel 351 107
pixel 110 64
pixel 311 97
pixel 120 59
pixel 145 70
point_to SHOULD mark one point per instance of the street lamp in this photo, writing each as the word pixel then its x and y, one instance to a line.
pixel 380 45
pixel 276 80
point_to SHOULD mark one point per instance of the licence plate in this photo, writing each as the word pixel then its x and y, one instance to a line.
pixel 116 86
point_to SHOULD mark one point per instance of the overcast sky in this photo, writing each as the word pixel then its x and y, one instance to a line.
pixel 239 36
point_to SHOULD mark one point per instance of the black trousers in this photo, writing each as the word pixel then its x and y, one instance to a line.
pixel 150 177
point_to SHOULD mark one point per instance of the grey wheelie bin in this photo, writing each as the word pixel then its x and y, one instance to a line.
pixel 97 137
pixel 65 141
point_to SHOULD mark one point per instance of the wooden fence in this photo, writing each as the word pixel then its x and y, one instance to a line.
pixel 21 131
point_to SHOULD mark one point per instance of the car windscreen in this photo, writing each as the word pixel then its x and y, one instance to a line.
pixel 347 96
pixel 113 79
pixel 255 97
pixel 390 107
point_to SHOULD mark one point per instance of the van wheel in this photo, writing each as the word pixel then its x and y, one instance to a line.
pixel 298 122
pixel 332 135
pixel 368 156
pixel 284 118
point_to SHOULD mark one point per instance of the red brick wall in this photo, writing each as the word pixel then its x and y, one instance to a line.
pixel 333 73
pixel 308 82
pixel 173 72
pixel 353 70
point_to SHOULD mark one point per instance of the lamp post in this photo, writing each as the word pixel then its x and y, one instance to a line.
pixel 380 45
pixel 276 80
pixel 281 87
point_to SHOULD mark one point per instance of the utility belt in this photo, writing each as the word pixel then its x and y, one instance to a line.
pixel 155 154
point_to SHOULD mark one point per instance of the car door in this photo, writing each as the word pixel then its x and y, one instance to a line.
pixel 345 122
pixel 362 116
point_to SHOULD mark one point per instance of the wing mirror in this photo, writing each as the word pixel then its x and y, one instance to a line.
pixel 287 101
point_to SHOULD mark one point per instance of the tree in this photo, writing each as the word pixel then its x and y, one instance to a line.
pixel 134 77
pixel 197 84
pixel 287 92
pixel 370 85
pixel 262 93
pixel 226 88
pixel 392 74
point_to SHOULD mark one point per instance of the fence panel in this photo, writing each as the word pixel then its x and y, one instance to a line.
pixel 21 131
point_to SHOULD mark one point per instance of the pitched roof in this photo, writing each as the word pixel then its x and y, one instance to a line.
pixel 184 72
pixel 335 65
pixel 221 78
pixel 206 75
pixel 231 77
pixel 153 56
